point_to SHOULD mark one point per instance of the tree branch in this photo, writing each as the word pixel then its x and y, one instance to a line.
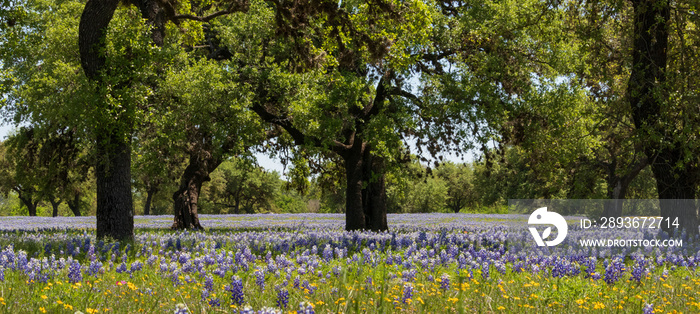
pixel 299 137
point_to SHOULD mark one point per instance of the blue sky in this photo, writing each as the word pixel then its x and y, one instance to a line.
pixel 4 130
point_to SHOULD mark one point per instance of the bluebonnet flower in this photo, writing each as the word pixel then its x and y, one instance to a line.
pixel 407 292
pixel 188 267
pixel 247 310
pixel 260 279
pixel 408 275
pixel 94 268
pixel 282 298
pixel 305 308
pixel 648 309
pixel 209 283
pixel 306 285
pixel 175 277
pixel 485 271
pixel 188 279
pixel 215 302
pixel 47 249
pixel 236 290
pixel 74 273
pixel 135 266
pixel 560 268
pixel 639 270
pixel 614 270
pixel 327 253
pixel 445 282
pixel 121 268
pixel 181 309
pixel 91 253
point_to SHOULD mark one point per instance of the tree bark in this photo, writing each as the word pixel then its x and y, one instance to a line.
pixel 374 193
pixel 647 94
pixel 156 18
pixel 91 35
pixel 115 213
pixel 74 205
pixel 27 198
pixel 54 207
pixel 31 208
pixel 354 209
pixel 676 193
pixel 365 202
pixel 186 197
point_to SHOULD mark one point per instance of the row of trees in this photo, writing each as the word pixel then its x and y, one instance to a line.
pixel 581 89
pixel 239 186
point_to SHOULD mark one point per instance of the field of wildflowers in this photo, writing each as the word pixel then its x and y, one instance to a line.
pixel 427 263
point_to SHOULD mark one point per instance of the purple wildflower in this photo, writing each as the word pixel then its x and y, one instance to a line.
pixel 282 298
pixel 305 308
pixel 445 282
pixel 236 290
pixel 407 292
pixel 74 273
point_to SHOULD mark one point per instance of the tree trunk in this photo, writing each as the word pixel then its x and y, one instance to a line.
pixel 374 193
pixel 115 213
pixel 152 12
pixel 74 205
pixel 27 199
pixel 187 195
pixel 354 210
pixel 31 207
pixel 647 94
pixel 149 197
pixel 676 189
pixel 54 206
pixel 618 186
pixel 365 202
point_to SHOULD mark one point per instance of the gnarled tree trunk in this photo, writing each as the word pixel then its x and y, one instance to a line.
pixel 27 198
pixel 54 206
pixel 187 196
pixel 74 205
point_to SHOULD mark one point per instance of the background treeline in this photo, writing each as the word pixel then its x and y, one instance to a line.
pixel 239 186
